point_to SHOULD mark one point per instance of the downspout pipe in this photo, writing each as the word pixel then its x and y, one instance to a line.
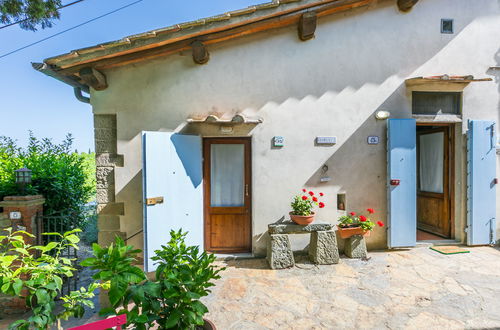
pixel 79 96
pixel 78 87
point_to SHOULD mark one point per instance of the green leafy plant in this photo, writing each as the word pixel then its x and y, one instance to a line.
pixel 35 273
pixel 172 298
pixel 358 220
pixel 303 204
pixel 64 177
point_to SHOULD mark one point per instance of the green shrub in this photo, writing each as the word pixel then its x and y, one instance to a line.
pixel 35 273
pixel 172 299
pixel 64 177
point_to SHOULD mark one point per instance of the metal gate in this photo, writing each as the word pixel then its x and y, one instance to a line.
pixel 60 222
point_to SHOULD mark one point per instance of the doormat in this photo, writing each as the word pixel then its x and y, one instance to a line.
pixel 449 249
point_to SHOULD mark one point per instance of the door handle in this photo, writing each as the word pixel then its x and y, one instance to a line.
pixel 246 189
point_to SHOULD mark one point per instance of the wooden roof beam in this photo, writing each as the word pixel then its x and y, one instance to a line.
pixel 406 5
pixel 200 52
pixel 93 78
pixel 307 25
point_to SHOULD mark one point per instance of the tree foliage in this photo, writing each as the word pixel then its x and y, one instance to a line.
pixel 64 177
pixel 30 14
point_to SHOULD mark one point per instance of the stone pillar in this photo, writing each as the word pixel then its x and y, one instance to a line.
pixel 107 159
pixel 355 247
pixel 279 252
pixel 29 207
pixel 323 248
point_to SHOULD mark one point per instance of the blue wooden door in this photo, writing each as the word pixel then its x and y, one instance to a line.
pixel 172 170
pixel 401 183
pixel 481 186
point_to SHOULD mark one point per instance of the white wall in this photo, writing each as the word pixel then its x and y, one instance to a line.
pixel 331 85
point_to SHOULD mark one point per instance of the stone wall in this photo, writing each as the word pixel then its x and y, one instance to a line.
pixel 107 159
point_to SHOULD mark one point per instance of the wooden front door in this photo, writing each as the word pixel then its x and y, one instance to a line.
pixel 227 194
pixel 433 180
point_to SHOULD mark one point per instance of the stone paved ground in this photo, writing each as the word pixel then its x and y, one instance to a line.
pixel 411 289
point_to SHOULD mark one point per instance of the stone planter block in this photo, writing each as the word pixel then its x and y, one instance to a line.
pixel 323 248
pixel 279 252
pixel 355 247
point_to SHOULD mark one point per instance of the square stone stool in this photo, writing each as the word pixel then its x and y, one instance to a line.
pixel 355 247
pixel 323 248
pixel 279 252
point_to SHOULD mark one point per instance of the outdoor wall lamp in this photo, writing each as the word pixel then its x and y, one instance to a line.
pixel 382 115
pixel 23 177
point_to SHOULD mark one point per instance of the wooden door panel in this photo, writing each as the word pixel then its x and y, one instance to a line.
pixel 229 232
pixel 427 209
pixel 228 228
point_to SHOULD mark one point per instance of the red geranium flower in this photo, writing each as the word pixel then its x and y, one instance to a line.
pixel 380 223
pixel 304 190
pixel 321 205
pixel 353 213
pixel 315 199
pixel 311 193
pixel 362 218
pixel 304 198
pixel 321 194
pixel 371 211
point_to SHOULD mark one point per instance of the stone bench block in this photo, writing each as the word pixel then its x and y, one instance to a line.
pixel 323 248
pixel 279 252
pixel 355 247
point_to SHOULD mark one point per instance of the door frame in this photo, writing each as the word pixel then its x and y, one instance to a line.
pixel 207 141
pixel 451 171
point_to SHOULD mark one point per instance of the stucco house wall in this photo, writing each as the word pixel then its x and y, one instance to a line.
pixel 329 86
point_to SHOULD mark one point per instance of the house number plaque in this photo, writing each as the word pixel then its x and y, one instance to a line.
pixel 373 140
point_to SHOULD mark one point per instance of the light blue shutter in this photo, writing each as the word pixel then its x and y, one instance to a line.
pixel 481 187
pixel 172 169
pixel 402 198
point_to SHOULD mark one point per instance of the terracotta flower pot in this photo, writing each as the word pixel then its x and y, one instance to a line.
pixel 208 325
pixel 346 232
pixel 303 220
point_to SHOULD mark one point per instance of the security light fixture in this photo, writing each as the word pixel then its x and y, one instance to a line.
pixel 447 25
pixel 23 177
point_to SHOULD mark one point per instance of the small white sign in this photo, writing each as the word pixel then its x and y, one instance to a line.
pixel 373 140
pixel 16 215
pixel 326 140
pixel 278 141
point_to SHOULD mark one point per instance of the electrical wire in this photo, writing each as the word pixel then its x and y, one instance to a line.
pixel 24 20
pixel 69 29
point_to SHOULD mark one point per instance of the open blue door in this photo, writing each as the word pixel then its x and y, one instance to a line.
pixel 173 190
pixel 481 183
pixel 401 181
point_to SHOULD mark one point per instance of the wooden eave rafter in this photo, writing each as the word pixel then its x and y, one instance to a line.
pixel 72 63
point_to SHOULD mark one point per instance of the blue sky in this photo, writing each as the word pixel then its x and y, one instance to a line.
pixel 30 100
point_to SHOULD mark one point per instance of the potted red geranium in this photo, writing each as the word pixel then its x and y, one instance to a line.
pixel 302 207
pixel 354 224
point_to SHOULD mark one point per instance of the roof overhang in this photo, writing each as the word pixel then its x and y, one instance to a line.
pixel 180 37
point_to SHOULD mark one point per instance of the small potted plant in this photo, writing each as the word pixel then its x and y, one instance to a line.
pixel 302 207
pixel 354 224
